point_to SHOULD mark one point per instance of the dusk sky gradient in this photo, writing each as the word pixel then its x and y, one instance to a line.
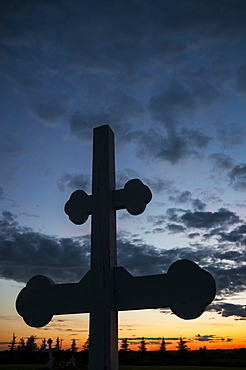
pixel 169 77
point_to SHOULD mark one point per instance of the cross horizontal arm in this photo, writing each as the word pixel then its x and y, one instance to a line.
pixel 186 289
pixel 41 299
pixel 79 207
pixel 134 197
pixel 50 350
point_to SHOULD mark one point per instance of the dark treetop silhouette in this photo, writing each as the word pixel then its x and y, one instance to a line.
pixel 105 289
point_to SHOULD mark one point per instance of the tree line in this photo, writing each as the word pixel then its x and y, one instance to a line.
pixel 30 345
pixel 26 350
pixel 181 345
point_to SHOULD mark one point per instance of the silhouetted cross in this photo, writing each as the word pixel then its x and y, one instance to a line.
pixel 106 288
pixel 50 350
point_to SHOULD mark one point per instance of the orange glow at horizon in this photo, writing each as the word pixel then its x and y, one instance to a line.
pixel 210 329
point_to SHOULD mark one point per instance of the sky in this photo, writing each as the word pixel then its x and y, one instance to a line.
pixel 169 77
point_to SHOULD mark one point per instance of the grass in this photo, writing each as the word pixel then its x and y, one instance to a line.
pixel 22 367
pixel 43 367
pixel 176 368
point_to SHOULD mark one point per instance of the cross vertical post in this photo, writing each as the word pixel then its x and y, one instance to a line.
pixel 103 317
pixel 50 350
pixel 106 289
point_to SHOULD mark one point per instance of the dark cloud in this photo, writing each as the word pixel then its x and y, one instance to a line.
pixel 158 230
pixel 53 111
pixel 237 177
pixel 204 85
pixel 157 220
pixel 209 219
pixel 211 338
pixel 236 235
pixel 198 205
pixel 74 182
pixel 169 144
pixel 115 108
pixel 183 197
pixel 172 148
pixel 213 232
pixel 25 253
pixel 215 223
pixel 229 279
pixel 173 228
pixel 193 235
pixel 126 65
pixel 196 139
pixel 8 222
pixel 186 197
pixel 171 103
pixel 229 309
pixel 149 340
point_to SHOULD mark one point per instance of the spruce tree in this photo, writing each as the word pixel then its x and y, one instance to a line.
pixel 12 344
pixel 182 346
pixel 22 344
pixel 124 345
pixel 73 347
pixel 31 345
pixel 43 344
pixel 142 347
pixel 86 345
pixel 57 345
pixel 162 346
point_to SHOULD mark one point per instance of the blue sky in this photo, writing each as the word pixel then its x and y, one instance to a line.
pixel 169 77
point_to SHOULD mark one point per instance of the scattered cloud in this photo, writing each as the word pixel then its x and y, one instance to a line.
pixel 173 228
pixel 74 182
pixel 11 145
pixel 171 103
pixel 211 338
pixel 25 253
pixel 53 111
pixel 158 185
pixel 198 204
pixel 125 175
pixel 237 177
pixel 230 134
pixel 185 196
pixel 241 79
pixel 193 235
pixel 117 108
pixel 182 197
pixel 29 215
pixel 221 161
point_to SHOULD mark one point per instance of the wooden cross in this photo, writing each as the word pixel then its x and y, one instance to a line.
pixel 106 289
pixel 50 350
